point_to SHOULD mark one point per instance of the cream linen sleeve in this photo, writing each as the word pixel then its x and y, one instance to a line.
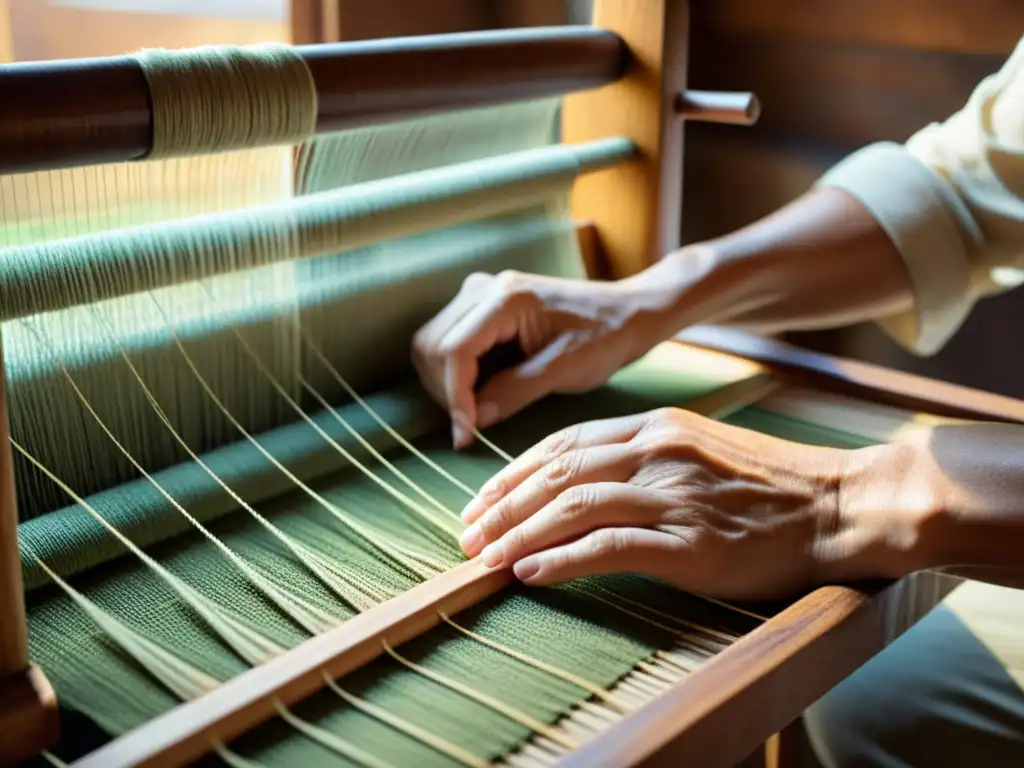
pixel 952 200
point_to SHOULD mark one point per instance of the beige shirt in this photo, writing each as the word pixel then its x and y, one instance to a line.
pixel 952 199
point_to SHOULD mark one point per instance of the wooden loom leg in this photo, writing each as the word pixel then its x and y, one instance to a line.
pixel 28 707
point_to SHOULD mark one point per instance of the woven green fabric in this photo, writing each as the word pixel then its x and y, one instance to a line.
pixel 558 626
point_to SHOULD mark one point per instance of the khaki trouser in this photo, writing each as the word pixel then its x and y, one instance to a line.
pixel 949 692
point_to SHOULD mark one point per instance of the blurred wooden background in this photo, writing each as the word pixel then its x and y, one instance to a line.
pixel 832 75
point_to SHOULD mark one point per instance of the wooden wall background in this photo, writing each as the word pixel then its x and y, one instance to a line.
pixel 832 75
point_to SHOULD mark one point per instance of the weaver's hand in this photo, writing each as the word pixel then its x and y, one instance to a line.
pixel 575 334
pixel 709 507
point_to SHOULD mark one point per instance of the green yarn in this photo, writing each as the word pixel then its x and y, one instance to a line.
pixel 51 276
pixel 218 98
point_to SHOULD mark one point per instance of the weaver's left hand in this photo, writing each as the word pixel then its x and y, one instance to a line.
pixel 706 506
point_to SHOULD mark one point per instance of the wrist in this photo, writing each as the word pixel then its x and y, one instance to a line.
pixel 686 287
pixel 893 515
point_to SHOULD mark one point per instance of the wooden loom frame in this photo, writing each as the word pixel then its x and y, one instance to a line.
pixel 83 112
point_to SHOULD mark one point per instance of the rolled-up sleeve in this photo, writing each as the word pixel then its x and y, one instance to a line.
pixel 952 201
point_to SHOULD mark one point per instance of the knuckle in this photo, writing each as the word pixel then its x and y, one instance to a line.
pixel 563 469
pixel 514 542
pixel 476 281
pixel 497 520
pixel 509 279
pixel 663 418
pixel 493 492
pixel 576 502
pixel 421 342
pixel 559 443
pixel 452 349
pixel 661 448
pixel 608 542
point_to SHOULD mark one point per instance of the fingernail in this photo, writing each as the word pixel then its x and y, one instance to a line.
pixel 493 555
pixel 487 414
pixel 526 569
pixel 471 540
pixel 469 513
pixel 461 434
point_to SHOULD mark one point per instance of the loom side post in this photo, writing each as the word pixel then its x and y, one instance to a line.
pixel 636 208
pixel 28 707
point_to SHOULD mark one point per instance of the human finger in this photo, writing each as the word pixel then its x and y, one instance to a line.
pixel 604 463
pixel 577 437
pixel 512 390
pixel 576 512
pixel 607 550
pixel 489 323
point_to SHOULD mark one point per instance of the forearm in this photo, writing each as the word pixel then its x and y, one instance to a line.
pixel 952 499
pixel 823 261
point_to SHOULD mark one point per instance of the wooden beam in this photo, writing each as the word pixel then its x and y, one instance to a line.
pixel 636 208
pixel 29 718
pixel 13 634
pixel 858 379
pixel 28 710
pixel 725 710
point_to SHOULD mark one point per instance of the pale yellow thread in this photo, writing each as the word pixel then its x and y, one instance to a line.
pixel 306 616
pixel 484 441
pixel 333 742
pixel 347 590
pixel 249 644
pixel 390 549
pixel 488 701
pixel 552 670
pixel 394 433
pixel 181 678
pixel 373 451
pixel 443 746
pixel 448 525
pixel 216 98
pixel 717 635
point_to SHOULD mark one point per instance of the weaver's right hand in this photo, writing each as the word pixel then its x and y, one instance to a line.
pixel 575 334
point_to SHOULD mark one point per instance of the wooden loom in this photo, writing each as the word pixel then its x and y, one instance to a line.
pixel 631 68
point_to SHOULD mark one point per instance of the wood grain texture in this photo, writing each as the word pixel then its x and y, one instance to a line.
pixel 29 717
pixel 13 633
pixel 980 26
pixel 860 379
pixel 77 112
pixel 636 208
pixel 734 177
pixel 843 96
pixel 720 714
pixel 305 22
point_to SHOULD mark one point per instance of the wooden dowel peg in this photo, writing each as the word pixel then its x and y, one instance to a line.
pixel 734 108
